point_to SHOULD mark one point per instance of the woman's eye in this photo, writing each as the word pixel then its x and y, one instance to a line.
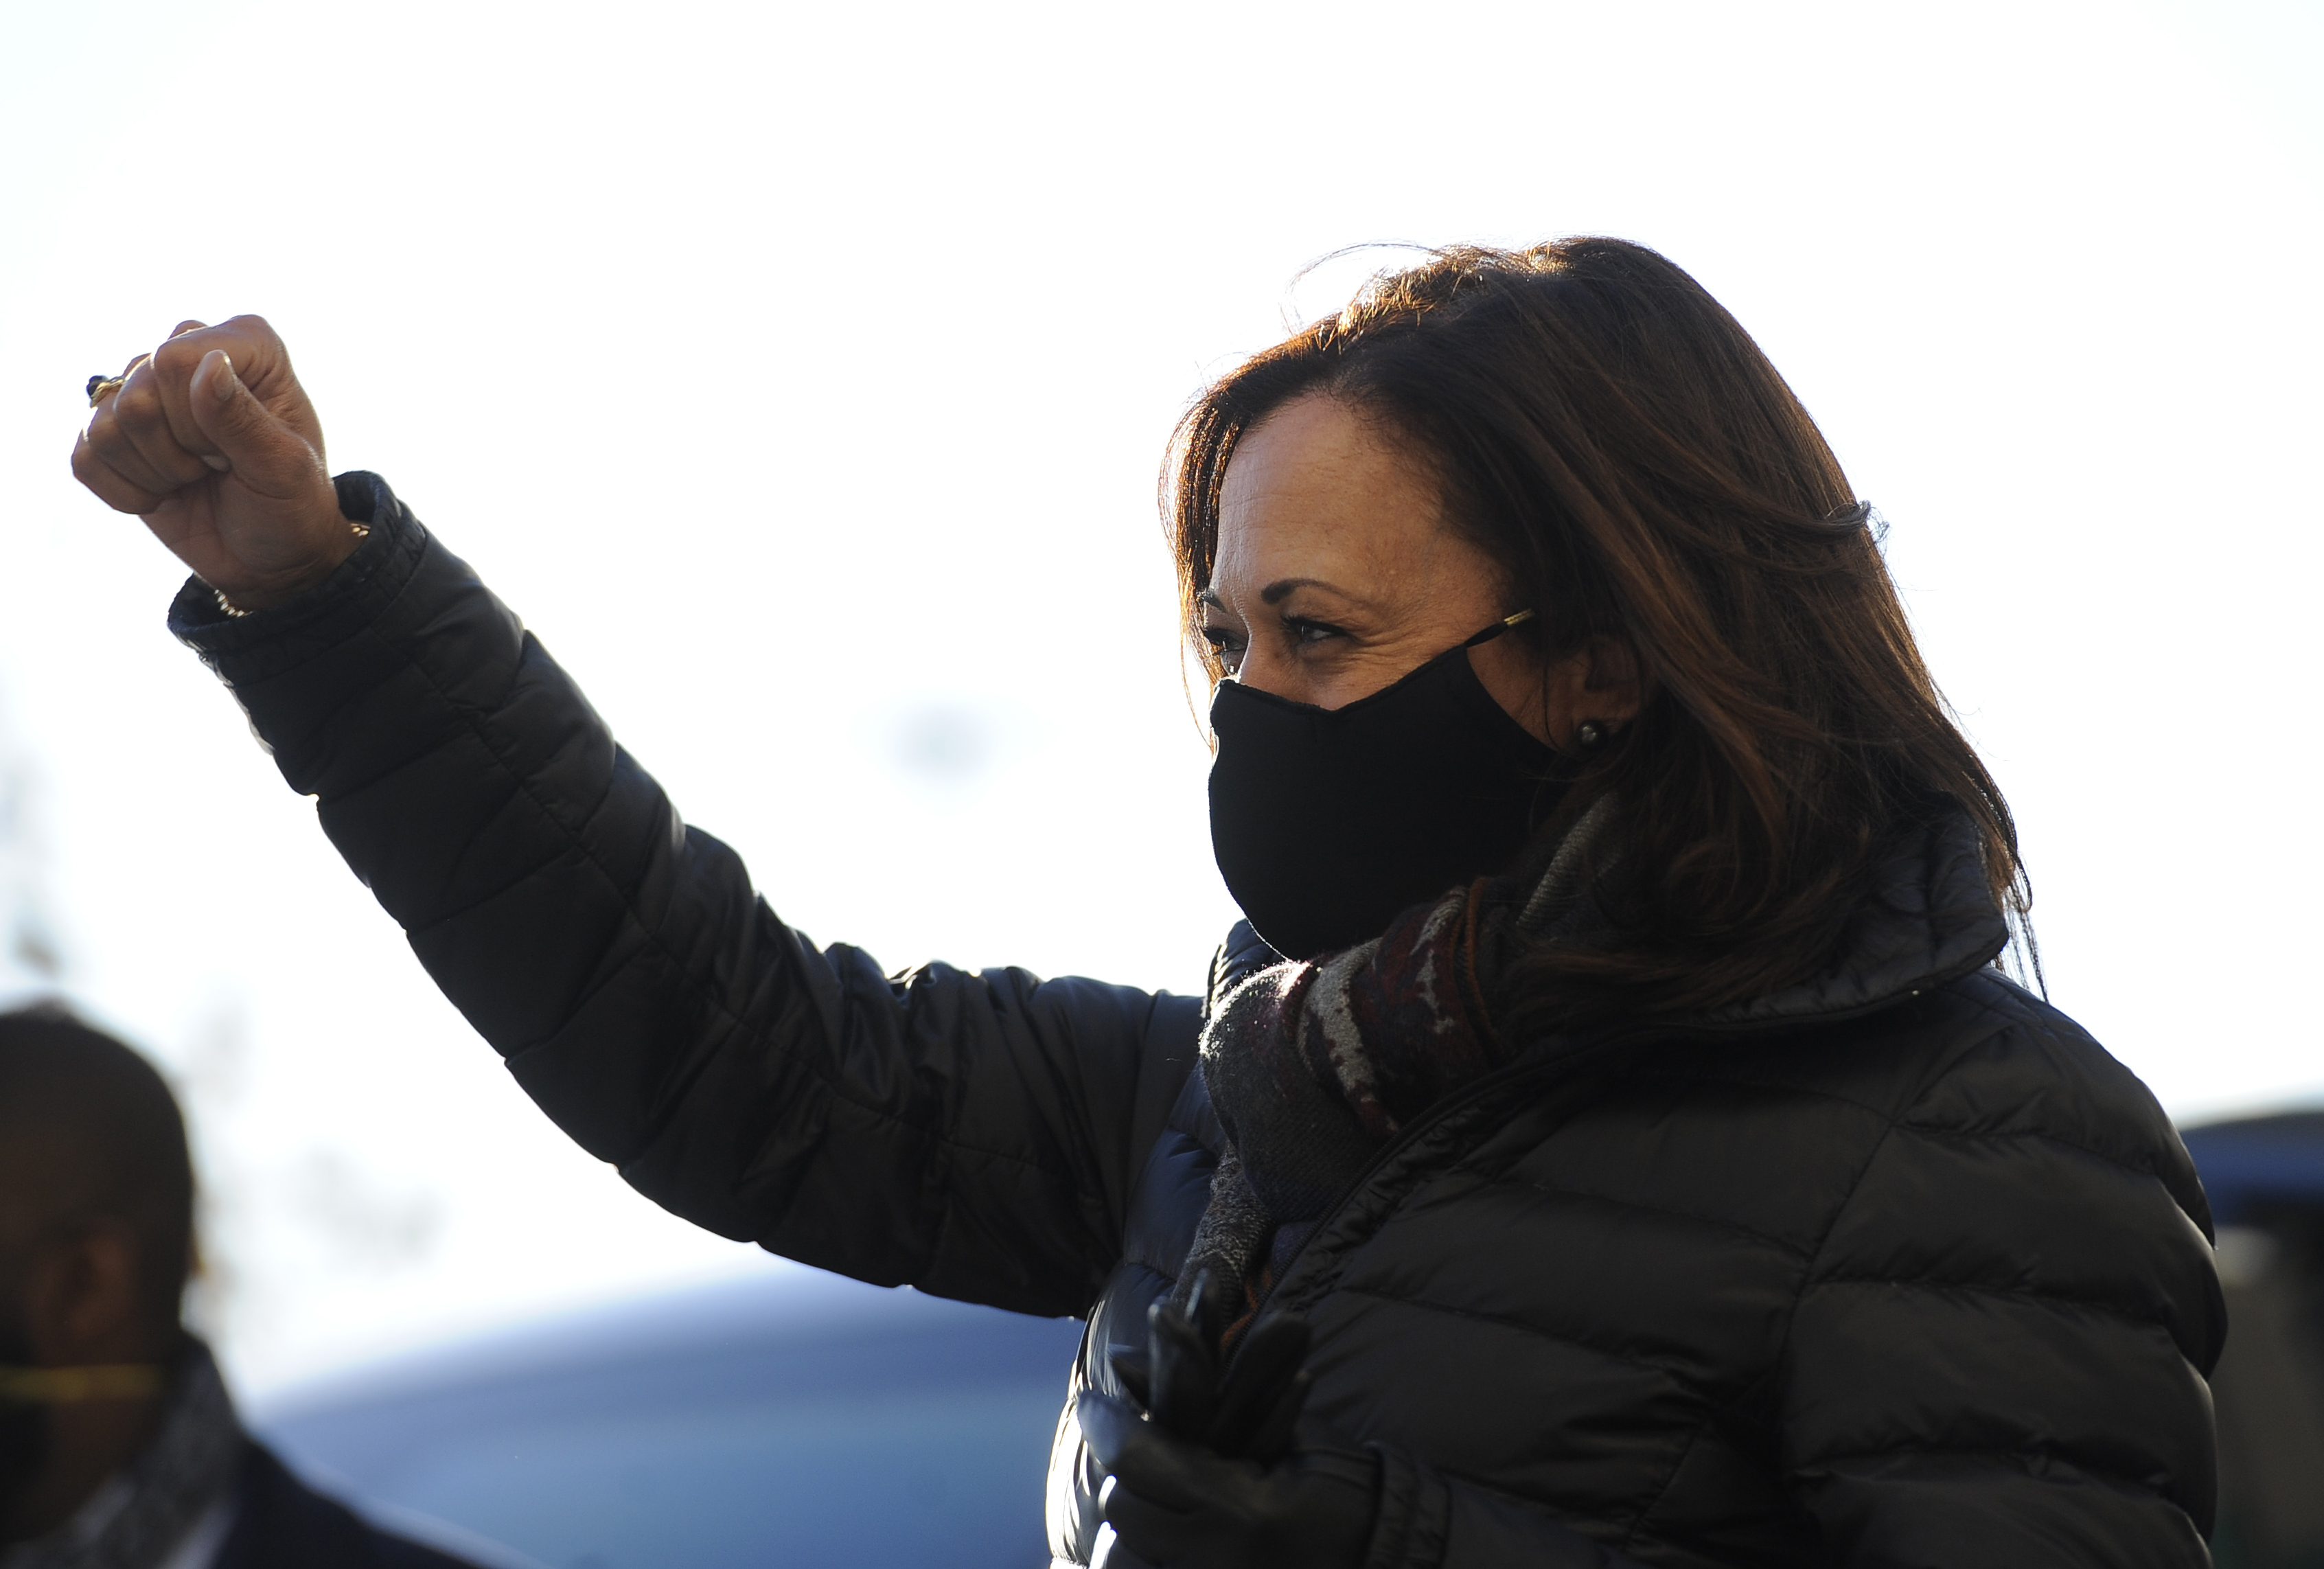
pixel 1225 647
pixel 1308 632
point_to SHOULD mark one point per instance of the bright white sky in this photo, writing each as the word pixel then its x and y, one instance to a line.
pixel 799 372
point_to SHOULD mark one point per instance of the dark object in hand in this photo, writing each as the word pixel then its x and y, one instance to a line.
pixel 1174 1504
pixel 1205 1477
pixel 1244 1410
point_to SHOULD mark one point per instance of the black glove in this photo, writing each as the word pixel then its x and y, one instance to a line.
pixel 1244 1410
pixel 1176 1504
pixel 1201 1479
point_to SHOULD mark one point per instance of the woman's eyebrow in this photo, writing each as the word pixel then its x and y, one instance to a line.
pixel 1278 591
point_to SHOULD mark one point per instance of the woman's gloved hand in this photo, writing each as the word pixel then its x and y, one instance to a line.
pixel 1204 1477
pixel 1178 1505
pixel 1244 1409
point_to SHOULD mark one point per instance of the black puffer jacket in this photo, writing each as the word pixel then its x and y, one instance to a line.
pixel 1897 1269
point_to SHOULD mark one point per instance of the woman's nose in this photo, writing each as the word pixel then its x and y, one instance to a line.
pixel 1271 673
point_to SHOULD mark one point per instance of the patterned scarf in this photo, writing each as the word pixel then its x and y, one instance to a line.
pixel 1314 1065
pixel 145 1509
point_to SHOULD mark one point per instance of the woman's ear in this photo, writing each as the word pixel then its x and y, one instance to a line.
pixel 1615 680
pixel 1603 682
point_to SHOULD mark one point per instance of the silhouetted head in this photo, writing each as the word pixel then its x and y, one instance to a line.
pixel 97 1200
pixel 92 1148
pixel 96 1195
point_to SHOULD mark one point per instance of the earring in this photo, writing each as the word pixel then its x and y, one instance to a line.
pixel 1589 732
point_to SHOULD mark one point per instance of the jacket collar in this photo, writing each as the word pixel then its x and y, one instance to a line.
pixel 1930 918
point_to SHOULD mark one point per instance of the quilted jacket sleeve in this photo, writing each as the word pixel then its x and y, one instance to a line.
pixel 2000 1356
pixel 973 1135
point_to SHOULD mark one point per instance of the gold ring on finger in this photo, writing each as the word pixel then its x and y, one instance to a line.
pixel 101 387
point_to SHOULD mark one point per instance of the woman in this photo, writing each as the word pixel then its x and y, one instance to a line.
pixel 1617 1118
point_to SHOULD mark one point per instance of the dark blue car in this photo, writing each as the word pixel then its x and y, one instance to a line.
pixel 792 1418
pixel 2266 1180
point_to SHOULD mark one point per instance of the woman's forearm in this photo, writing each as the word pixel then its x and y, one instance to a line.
pixel 955 1131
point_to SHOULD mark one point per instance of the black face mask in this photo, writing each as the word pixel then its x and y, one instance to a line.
pixel 1326 822
pixel 25 1430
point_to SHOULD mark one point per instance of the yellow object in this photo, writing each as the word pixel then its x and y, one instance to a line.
pixel 70 1386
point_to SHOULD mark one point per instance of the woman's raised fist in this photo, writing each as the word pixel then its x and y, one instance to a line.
pixel 212 441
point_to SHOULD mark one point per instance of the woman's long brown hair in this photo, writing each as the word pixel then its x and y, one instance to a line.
pixel 1639 471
